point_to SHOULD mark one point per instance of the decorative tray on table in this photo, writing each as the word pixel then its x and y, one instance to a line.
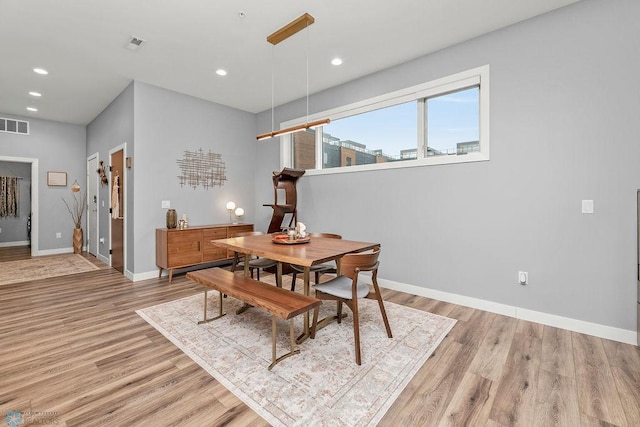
pixel 283 239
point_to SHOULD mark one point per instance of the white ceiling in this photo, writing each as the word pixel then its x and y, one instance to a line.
pixel 82 43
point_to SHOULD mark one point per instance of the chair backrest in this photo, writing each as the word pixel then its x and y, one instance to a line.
pixel 247 233
pixel 326 235
pixel 360 261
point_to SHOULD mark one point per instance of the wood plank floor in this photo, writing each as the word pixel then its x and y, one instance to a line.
pixel 74 346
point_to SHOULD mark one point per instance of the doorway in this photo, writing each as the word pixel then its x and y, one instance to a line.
pixel 117 210
pixel 33 231
pixel 92 205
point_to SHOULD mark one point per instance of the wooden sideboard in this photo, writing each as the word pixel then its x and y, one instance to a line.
pixel 192 246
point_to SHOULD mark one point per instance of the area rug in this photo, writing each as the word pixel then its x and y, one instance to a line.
pixel 43 267
pixel 321 386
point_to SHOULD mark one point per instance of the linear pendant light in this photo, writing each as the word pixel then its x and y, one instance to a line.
pixel 280 35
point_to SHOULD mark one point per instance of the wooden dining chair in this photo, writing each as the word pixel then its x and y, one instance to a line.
pixel 255 263
pixel 317 270
pixel 346 289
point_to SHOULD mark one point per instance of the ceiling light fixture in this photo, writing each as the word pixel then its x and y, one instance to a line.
pixel 336 61
pixel 36 94
pixel 40 71
pixel 34 109
pixel 280 35
pixel 221 72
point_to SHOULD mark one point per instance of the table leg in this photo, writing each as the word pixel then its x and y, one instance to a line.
pixel 247 273
pixel 279 274
pixel 306 288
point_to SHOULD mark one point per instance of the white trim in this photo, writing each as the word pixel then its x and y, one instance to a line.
pixel 57 251
pixel 96 178
pixel 12 244
pixel 34 197
pixel 475 76
pixel 103 258
pixel 581 326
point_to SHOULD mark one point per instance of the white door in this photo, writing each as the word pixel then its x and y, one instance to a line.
pixel 92 204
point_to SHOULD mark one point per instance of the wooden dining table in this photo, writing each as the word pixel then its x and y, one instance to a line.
pixel 316 251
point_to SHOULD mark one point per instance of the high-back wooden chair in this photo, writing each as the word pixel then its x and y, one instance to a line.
pixel 346 289
pixel 255 263
pixel 317 270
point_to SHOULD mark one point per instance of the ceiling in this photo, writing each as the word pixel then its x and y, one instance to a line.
pixel 83 45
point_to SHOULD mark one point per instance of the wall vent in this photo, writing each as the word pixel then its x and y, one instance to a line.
pixel 14 126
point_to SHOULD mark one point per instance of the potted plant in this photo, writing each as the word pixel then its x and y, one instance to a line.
pixel 76 209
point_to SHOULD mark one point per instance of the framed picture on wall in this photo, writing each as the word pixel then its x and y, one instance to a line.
pixel 57 179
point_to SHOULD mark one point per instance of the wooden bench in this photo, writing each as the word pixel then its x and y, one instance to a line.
pixel 276 301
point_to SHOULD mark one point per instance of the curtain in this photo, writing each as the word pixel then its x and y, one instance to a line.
pixel 9 196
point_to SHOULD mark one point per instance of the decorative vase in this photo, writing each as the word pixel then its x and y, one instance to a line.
pixel 172 218
pixel 77 240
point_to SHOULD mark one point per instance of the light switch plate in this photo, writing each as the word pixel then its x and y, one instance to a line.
pixel 587 207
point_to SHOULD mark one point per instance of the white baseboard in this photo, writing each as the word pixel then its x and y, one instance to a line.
pixel 595 329
pixel 104 259
pixel 55 251
pixel 11 244
pixel 136 277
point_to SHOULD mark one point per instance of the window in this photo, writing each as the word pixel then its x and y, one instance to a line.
pixel 444 121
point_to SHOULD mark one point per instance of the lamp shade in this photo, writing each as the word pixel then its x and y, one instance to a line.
pixel 231 206
pixel 239 211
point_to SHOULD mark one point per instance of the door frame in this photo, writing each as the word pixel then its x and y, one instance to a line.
pixel 93 240
pixel 34 197
pixel 122 147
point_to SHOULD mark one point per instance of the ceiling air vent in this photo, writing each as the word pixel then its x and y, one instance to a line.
pixel 14 126
pixel 135 43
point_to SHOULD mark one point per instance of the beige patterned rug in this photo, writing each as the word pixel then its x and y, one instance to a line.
pixel 321 386
pixel 43 267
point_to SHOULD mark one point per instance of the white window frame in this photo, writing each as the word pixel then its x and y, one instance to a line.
pixel 475 77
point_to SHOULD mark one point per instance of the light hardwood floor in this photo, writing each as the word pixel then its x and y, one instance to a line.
pixel 74 346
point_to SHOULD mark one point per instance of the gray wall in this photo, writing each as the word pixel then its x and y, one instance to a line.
pixel 14 229
pixel 58 147
pixel 564 103
pixel 166 124
pixel 110 129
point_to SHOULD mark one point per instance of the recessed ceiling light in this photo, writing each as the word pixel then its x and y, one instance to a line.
pixel 40 71
pixel 32 109
pixel 36 94
pixel 221 72
pixel 336 61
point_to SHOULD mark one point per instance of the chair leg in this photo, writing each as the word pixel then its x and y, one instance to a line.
pixel 317 277
pixel 257 274
pixel 356 329
pixel 382 310
pixel 293 281
pixel 339 312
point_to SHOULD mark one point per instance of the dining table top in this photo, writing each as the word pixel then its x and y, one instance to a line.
pixel 316 251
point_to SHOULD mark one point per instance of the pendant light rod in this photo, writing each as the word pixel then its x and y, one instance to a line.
pixel 282 34
pixel 291 28
pixel 293 129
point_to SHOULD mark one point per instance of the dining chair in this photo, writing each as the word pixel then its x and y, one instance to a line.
pixel 317 270
pixel 255 263
pixel 346 289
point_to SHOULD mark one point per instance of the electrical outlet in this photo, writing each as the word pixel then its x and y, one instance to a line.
pixel 166 204
pixel 102 240
pixel 523 277
pixel 58 235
